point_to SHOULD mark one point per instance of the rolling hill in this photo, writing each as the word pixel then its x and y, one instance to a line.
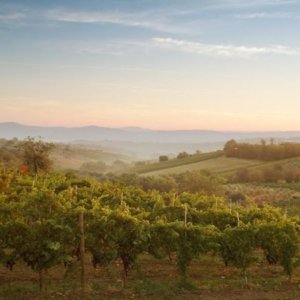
pixel 72 157
pixel 141 143
pixel 214 162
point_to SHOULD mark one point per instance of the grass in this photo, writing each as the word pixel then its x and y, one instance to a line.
pixel 176 162
pixel 219 164
pixel 294 186
pixel 283 195
pixel 16 289
pixel 214 162
pixel 282 162
pixel 156 279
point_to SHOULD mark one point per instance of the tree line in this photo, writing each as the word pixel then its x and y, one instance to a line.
pixel 262 151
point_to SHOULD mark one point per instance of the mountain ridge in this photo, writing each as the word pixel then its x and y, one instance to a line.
pixel 135 134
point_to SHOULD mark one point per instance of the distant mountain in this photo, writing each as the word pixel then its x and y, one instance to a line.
pixel 135 134
pixel 141 143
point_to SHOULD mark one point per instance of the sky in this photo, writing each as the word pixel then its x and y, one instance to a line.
pixel 160 64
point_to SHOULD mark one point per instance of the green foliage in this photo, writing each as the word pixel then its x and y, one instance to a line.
pixel 237 247
pixel 193 240
pixel 144 167
pixel 262 151
pixel 40 245
pixel 35 154
pixel 182 155
pixel 191 181
pixel 280 243
pixel 130 236
pixel 163 239
pixel 220 218
pixel 39 225
pixel 287 173
pixel 163 158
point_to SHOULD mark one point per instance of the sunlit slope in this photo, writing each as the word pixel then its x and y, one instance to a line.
pixel 149 167
pixel 218 165
pixel 214 162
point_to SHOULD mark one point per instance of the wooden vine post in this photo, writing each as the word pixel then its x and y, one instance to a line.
pixel 82 250
pixel 185 215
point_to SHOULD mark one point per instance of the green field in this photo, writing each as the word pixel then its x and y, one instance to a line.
pixel 216 165
pixel 150 167
pixel 215 162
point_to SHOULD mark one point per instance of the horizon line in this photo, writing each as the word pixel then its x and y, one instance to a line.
pixel 152 129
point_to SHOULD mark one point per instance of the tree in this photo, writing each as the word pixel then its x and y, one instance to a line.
pixel 230 148
pixel 163 158
pixel 35 154
pixel 182 155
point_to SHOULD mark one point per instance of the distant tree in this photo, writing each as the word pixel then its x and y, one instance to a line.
pixel 230 148
pixel 163 158
pixel 35 154
pixel 183 155
pixel 262 151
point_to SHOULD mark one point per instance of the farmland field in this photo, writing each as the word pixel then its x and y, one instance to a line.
pixel 213 162
pixel 217 165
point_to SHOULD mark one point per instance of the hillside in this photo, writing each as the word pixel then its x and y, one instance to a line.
pixel 67 156
pixel 214 162
pixel 73 156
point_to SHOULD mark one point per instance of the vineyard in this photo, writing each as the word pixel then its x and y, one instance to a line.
pixel 176 163
pixel 61 221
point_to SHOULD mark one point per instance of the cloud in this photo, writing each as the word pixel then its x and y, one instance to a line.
pixel 146 19
pixel 244 4
pixel 263 15
pixel 222 50
pixel 10 17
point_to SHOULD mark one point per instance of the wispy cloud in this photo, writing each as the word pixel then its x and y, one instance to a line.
pixel 244 4
pixel 112 47
pixel 264 15
pixel 10 17
pixel 144 19
pixel 222 50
